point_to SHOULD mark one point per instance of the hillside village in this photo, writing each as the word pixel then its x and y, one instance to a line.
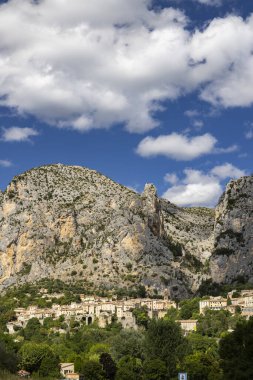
pixel 93 308
pixel 104 310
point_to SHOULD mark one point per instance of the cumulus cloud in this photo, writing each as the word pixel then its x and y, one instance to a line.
pixel 227 171
pixel 204 192
pixel 180 147
pixel 92 64
pixel 201 189
pixel 18 134
pixel 5 163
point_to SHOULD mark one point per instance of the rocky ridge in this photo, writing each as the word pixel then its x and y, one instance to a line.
pixel 74 224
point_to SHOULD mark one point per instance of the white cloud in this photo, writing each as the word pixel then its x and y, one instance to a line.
pixel 91 64
pixel 5 163
pixel 191 113
pixel 176 146
pixel 180 147
pixel 225 46
pixel 201 189
pixel 230 149
pixel 18 134
pixel 227 171
pixel 198 124
pixel 171 178
pixel 196 189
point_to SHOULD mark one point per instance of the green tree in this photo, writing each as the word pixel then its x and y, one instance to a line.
pixel 172 314
pixel 141 291
pixel 154 369
pixel 32 354
pixel 141 315
pixel 32 329
pixel 202 366
pixel 8 359
pixel 188 308
pixel 164 341
pixel 78 363
pixel 96 350
pixel 127 342
pixel 92 370
pixel 6 316
pixel 48 323
pixel 49 366
pixel 214 323
pixel 236 352
pixel 108 365
pixel 202 343
pixel 129 368
pixel 62 350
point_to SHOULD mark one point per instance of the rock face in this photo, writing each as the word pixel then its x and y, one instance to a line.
pixel 232 256
pixel 74 224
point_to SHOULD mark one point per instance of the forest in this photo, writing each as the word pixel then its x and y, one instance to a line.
pixel 220 349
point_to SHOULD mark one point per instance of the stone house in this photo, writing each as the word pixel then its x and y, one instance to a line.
pixel 213 303
pixel 247 312
pixel 104 319
pixel 66 369
pixel 188 325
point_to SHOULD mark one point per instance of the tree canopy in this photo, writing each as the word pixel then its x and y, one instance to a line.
pixel 236 352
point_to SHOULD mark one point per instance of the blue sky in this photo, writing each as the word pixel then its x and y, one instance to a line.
pixel 141 91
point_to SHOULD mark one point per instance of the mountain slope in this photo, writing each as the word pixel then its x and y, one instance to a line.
pixel 74 224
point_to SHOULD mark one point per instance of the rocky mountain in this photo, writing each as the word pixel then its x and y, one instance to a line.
pixel 232 256
pixel 74 224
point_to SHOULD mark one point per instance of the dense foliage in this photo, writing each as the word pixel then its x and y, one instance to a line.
pixel 156 351
pixel 236 352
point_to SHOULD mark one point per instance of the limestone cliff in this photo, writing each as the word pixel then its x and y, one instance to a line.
pixel 232 256
pixel 74 224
